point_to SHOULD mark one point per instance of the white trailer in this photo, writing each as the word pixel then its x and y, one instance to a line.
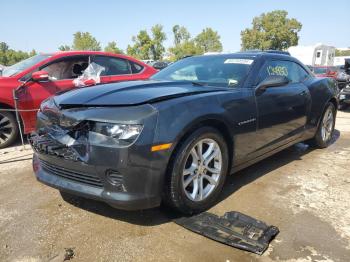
pixel 340 60
pixel 317 55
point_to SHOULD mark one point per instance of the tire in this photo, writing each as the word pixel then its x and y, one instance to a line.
pixel 8 129
pixel 325 128
pixel 186 168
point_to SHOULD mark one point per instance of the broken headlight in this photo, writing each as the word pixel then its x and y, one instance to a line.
pixel 121 135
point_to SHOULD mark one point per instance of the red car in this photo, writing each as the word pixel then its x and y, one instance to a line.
pixel 325 71
pixel 52 73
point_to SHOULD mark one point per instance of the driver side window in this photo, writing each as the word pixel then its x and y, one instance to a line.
pixel 289 69
pixel 67 68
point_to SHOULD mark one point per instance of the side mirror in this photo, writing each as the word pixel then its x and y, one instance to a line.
pixel 40 76
pixel 273 81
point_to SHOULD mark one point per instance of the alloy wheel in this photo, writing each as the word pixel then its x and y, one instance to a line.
pixel 327 124
pixel 6 129
pixel 202 170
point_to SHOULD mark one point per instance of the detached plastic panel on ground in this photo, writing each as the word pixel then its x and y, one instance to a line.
pixel 233 229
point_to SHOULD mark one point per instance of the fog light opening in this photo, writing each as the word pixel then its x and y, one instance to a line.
pixel 115 179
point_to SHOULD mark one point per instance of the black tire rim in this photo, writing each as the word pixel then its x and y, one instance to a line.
pixel 6 129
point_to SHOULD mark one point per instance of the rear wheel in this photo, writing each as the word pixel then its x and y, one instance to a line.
pixel 8 129
pixel 197 171
pixel 325 129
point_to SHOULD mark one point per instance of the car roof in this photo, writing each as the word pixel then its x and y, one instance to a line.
pixel 266 52
pixel 257 54
pixel 81 52
pixel 84 52
pixel 60 54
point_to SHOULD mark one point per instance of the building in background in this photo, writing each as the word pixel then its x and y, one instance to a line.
pixel 316 55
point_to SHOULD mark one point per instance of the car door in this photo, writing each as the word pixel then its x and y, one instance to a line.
pixel 62 72
pixel 116 69
pixel 282 111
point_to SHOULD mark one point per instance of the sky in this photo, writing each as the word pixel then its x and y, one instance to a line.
pixel 45 25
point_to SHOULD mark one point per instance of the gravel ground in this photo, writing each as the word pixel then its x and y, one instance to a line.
pixel 305 192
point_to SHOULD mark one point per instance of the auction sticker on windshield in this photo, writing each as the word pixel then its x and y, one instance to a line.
pixel 239 61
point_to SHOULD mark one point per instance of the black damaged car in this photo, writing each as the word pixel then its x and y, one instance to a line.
pixel 175 137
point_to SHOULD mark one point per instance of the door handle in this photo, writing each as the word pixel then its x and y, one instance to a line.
pixel 303 93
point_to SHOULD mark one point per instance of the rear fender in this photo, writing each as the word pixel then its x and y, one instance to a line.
pixel 322 90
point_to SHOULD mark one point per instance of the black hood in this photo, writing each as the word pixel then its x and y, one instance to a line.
pixel 130 93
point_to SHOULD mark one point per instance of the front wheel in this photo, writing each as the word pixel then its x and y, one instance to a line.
pixel 197 171
pixel 8 129
pixel 325 129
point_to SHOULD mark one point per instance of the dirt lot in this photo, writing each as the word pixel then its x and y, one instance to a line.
pixel 304 192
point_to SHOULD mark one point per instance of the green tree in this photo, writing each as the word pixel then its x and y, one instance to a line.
pixel 32 53
pixel 85 41
pixel 3 50
pixel 180 34
pixel 13 56
pixel 272 30
pixel 158 38
pixel 183 49
pixel 209 40
pixel 141 47
pixel 113 48
pixel 342 52
pixel 147 47
pixel 183 44
pixel 64 48
pixel 9 56
pixel 3 47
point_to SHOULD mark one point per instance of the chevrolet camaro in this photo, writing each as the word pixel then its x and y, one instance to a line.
pixel 175 137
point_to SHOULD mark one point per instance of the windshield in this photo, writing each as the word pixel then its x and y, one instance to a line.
pixel 320 70
pixel 24 64
pixel 227 71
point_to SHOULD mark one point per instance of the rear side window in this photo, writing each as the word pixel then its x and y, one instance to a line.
pixel 294 72
pixel 112 65
pixel 135 68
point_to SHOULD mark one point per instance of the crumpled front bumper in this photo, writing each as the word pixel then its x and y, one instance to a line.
pixel 128 178
pixel 112 196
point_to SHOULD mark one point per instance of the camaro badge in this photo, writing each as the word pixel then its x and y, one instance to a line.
pixel 247 121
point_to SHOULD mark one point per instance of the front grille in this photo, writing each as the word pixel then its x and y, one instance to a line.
pixel 46 145
pixel 89 179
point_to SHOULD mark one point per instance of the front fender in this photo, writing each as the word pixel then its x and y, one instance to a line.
pixel 178 116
